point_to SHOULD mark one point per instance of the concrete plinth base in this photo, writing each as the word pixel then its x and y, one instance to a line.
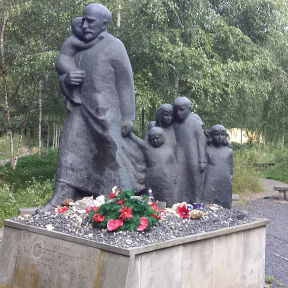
pixel 232 257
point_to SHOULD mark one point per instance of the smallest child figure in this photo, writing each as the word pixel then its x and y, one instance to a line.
pixel 65 60
pixel 161 166
pixel 72 45
pixel 219 171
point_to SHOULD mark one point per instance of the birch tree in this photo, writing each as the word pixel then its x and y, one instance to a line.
pixel 5 87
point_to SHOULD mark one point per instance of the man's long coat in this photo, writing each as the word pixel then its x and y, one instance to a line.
pixel 93 156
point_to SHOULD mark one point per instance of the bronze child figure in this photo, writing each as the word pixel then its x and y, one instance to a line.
pixel 190 151
pixel 219 171
pixel 161 165
pixel 65 60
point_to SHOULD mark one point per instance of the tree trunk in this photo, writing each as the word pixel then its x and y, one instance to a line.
pixel 23 129
pixel 59 134
pixel 55 144
pixel 283 142
pixel 48 135
pixel 40 121
pixel 5 90
pixel 54 136
pixel 241 138
pixel 143 128
pixel 176 84
pixel 118 16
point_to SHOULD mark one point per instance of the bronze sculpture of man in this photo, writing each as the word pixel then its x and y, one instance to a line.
pixel 94 153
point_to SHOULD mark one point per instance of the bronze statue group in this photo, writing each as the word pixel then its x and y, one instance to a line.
pixel 187 163
pixel 176 159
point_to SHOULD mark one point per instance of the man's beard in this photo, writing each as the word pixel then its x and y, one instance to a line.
pixel 88 35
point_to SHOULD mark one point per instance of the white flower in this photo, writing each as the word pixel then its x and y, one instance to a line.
pixel 114 189
pixel 99 201
pixel 101 198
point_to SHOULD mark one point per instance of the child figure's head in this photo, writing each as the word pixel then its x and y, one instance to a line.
pixel 164 115
pixel 217 134
pixel 76 27
pixel 156 136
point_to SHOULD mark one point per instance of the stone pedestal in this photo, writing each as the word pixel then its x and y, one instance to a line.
pixel 232 257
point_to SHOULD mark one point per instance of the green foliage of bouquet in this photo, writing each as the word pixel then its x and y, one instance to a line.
pixel 124 211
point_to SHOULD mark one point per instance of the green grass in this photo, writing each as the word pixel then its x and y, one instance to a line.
pixel 36 194
pixel 269 279
pixel 30 185
pixel 278 156
pixel 5 146
pixel 245 177
pixel 279 172
pixel 271 154
pixel 28 168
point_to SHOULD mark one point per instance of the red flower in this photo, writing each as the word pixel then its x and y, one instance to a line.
pixel 155 216
pixel 143 224
pixel 183 212
pixel 120 202
pixel 112 195
pixel 117 192
pixel 162 212
pixel 61 210
pixel 98 218
pixel 114 224
pixel 88 209
pixel 154 207
pixel 126 213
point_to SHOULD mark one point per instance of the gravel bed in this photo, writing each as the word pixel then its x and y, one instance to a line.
pixel 271 208
pixel 276 211
pixel 170 226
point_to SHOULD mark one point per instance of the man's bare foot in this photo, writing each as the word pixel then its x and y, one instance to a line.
pixel 48 207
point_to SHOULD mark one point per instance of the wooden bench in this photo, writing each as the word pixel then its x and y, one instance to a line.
pixel 282 190
pixel 264 164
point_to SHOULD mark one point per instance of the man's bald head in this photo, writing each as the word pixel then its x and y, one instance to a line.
pixel 97 9
pixel 96 19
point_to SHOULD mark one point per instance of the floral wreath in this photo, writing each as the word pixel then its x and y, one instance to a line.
pixel 123 210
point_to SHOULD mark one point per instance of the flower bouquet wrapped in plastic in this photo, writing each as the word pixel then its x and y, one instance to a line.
pixel 123 210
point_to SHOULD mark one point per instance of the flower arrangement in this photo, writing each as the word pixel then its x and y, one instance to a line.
pixel 123 210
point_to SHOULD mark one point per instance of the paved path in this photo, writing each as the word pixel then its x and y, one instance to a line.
pixel 3 162
pixel 25 152
pixel 276 252
pixel 269 204
pixel 1 235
